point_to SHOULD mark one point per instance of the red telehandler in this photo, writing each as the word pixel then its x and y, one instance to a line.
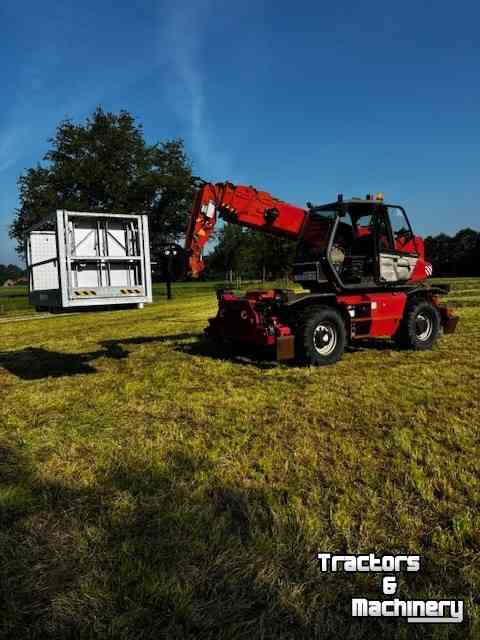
pixel 359 261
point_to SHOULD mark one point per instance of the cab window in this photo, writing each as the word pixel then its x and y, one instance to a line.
pixel 402 234
pixel 316 235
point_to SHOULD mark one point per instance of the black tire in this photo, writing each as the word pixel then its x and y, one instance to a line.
pixel 420 326
pixel 320 336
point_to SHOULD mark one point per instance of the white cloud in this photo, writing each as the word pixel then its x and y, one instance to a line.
pixel 183 34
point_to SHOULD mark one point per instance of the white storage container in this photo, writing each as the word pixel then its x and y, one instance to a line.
pixel 77 260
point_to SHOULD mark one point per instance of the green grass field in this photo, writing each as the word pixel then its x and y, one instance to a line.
pixel 14 301
pixel 150 488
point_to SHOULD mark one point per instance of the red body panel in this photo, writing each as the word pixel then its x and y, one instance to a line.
pixel 374 314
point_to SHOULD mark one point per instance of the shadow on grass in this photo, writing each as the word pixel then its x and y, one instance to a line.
pixel 236 353
pixel 372 345
pixel 264 358
pixel 148 339
pixel 150 549
pixel 9 295
pixel 35 363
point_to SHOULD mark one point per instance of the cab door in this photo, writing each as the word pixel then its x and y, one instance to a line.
pixel 397 254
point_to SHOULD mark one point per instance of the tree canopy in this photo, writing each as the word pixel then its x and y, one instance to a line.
pixel 105 165
pixel 10 272
pixel 457 255
pixel 252 254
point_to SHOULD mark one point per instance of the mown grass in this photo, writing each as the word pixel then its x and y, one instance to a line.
pixel 13 300
pixel 151 488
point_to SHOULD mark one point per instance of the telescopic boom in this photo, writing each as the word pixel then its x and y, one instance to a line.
pixel 245 206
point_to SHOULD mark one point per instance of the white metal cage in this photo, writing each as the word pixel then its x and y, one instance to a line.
pixel 77 259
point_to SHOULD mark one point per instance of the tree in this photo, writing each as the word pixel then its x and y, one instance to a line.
pixel 106 165
pixel 466 251
pixel 10 272
pixel 252 253
pixel 227 252
pixel 459 255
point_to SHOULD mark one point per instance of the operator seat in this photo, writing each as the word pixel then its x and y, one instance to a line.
pixel 359 265
pixel 364 245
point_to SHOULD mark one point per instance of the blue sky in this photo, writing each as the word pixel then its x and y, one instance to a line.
pixel 302 99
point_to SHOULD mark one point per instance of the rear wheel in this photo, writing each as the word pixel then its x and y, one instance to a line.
pixel 420 326
pixel 320 336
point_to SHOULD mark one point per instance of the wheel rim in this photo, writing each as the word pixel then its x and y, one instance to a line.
pixel 325 338
pixel 424 327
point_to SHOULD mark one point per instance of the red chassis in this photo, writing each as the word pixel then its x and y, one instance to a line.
pixel 258 317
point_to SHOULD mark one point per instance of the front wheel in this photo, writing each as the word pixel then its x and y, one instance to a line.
pixel 420 326
pixel 320 336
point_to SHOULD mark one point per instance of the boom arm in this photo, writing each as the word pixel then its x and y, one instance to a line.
pixel 240 205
